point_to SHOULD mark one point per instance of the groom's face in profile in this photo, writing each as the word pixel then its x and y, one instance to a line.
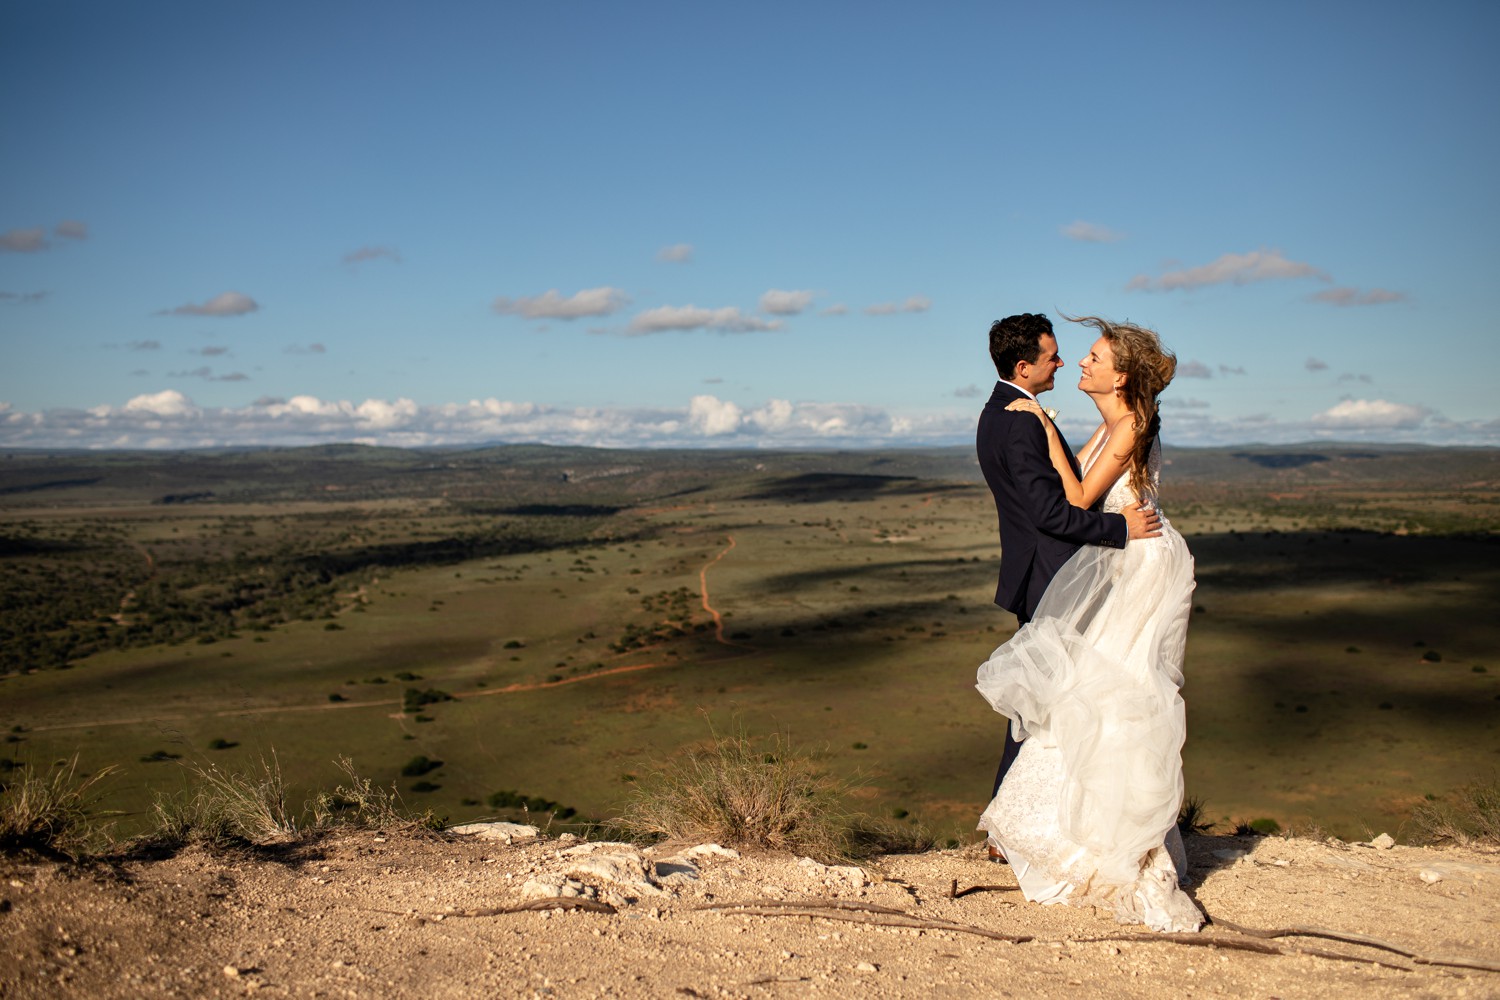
pixel 1036 376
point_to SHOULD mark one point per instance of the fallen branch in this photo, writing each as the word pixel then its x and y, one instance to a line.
pixel 546 903
pixel 883 916
pixel 1360 939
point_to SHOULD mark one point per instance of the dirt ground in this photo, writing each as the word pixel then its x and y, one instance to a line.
pixel 366 914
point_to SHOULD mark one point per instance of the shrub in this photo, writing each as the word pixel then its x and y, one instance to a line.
pixel 157 756
pixel 1471 815
pixel 419 765
pixel 733 792
pixel 1192 817
pixel 250 806
pixel 50 814
pixel 414 699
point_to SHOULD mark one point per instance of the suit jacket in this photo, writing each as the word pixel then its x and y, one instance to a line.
pixel 1039 529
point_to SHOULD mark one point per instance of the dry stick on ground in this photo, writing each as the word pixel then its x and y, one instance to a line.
pixel 548 903
pixel 1369 942
pixel 888 917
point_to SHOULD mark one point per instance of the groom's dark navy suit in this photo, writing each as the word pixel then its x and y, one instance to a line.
pixel 1039 529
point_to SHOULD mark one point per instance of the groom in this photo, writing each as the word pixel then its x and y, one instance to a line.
pixel 1039 529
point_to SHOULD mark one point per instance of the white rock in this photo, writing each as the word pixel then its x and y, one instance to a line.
pixel 1429 876
pixel 629 870
pixel 554 886
pixel 1384 842
pixel 712 850
pixel 590 846
pixel 678 869
pixel 506 832
pixel 866 967
pixel 232 971
pixel 833 874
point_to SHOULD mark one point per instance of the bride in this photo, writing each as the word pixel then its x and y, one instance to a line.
pixel 1087 814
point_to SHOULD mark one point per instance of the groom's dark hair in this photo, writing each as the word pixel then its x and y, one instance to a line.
pixel 1015 339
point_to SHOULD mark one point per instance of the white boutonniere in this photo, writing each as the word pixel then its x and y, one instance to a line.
pixel 1051 413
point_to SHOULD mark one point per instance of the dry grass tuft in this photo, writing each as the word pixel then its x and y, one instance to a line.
pixel 1471 815
pixel 255 807
pixel 52 813
pixel 773 795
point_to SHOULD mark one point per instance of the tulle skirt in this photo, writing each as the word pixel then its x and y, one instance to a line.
pixel 1091 685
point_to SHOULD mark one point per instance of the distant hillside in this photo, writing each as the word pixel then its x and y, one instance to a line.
pixel 540 473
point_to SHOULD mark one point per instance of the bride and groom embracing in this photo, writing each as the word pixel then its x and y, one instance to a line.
pixel 1090 782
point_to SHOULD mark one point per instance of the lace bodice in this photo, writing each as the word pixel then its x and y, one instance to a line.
pixel 1120 495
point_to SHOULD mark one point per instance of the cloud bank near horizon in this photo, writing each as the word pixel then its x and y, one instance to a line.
pixel 169 419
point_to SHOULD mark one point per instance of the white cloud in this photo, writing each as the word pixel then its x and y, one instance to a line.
pixel 1371 414
pixel 1088 232
pixel 211 352
pixel 552 305
pixel 223 304
pixel 1228 370
pixel 677 253
pixel 915 304
pixel 712 416
pixel 1232 268
pixel 24 240
pixel 143 345
pixel 72 229
pixel 1343 296
pixel 167 403
pixel 682 318
pixel 1194 369
pixel 169 419
pixel 309 349
pixel 837 309
pixel 1314 365
pixel 785 303
pixel 372 253
pixel 1353 377
pixel 967 392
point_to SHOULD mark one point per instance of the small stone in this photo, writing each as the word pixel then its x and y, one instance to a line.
pixel 16 883
pixel 231 971
pixel 867 967
pixel 1429 876
pixel 1384 842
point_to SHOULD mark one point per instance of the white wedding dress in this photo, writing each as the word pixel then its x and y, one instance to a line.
pixel 1087 813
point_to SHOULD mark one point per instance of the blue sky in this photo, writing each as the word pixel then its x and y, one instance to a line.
pixel 696 224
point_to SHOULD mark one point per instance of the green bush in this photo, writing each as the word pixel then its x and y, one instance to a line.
pixel 419 765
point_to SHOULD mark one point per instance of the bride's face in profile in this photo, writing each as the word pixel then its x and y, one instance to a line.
pixel 1099 377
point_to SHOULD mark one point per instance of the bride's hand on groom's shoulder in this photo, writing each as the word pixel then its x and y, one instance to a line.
pixel 1025 406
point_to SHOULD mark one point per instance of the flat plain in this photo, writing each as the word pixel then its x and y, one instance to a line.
pixel 492 626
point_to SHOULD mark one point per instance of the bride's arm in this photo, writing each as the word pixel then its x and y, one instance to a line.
pixel 1110 463
pixel 1106 468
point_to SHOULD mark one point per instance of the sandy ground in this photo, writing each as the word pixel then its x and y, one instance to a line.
pixel 365 914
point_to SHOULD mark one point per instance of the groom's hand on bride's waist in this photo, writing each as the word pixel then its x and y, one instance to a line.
pixel 1142 522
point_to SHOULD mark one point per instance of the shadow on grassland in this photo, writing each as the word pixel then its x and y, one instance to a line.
pixel 843 487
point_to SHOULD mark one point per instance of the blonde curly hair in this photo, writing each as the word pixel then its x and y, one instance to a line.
pixel 1148 368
